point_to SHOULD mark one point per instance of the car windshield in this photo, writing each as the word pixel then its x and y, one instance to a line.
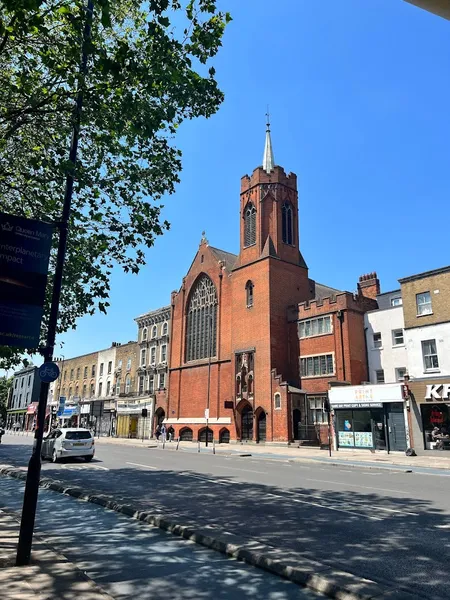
pixel 78 435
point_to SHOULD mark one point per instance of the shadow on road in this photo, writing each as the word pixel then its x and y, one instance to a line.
pixel 381 536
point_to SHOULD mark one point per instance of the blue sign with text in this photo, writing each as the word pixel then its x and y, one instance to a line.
pixel 25 247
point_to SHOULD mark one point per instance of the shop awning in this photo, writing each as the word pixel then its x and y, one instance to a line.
pixel 32 408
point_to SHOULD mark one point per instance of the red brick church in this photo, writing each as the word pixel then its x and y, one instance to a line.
pixel 234 355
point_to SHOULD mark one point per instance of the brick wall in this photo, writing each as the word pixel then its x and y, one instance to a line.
pixel 69 384
pixel 438 284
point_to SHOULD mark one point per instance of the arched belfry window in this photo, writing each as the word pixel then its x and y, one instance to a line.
pixel 288 223
pixel 249 293
pixel 249 225
pixel 201 325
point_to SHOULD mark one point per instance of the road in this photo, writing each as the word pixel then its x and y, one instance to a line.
pixel 389 526
pixel 132 560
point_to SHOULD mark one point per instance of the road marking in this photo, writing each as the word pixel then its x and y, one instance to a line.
pixel 327 507
pixel 84 467
pixel 244 470
pixel 345 471
pixel 145 466
pixel 366 487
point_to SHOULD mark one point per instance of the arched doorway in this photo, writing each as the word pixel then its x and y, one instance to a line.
pixel 186 434
pixel 296 421
pixel 247 423
pixel 224 436
pixel 261 429
pixel 160 415
pixel 202 435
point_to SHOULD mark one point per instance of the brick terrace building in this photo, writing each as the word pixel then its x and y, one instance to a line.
pixel 331 349
pixel 234 354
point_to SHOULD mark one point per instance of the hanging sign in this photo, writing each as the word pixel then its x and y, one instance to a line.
pixel 25 247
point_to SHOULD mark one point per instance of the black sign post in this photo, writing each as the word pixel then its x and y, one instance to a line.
pixel 34 465
pixel 25 247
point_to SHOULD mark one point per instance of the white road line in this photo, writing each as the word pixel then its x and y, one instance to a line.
pixel 345 471
pixel 244 470
pixel 328 507
pixel 366 487
pixel 145 466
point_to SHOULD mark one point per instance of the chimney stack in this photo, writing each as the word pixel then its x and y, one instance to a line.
pixel 369 286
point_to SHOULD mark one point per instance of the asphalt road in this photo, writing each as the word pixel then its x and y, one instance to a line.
pixel 388 526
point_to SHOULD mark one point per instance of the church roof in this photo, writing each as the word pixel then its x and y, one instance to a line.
pixel 324 291
pixel 227 257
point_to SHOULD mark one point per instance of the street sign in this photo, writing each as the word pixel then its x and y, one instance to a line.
pixel 48 372
pixel 206 413
pixel 62 404
pixel 24 254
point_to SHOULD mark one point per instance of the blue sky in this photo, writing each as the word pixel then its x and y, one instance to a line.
pixel 359 102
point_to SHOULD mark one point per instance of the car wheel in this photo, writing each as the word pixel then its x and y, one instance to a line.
pixel 88 458
pixel 54 456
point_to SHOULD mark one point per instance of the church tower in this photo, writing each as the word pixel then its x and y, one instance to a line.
pixel 269 275
pixel 269 212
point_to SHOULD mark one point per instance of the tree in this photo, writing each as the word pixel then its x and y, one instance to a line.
pixel 148 71
pixel 5 384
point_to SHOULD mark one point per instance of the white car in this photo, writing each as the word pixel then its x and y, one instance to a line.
pixel 68 443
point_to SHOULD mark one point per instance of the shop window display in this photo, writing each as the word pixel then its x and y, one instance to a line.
pixel 436 426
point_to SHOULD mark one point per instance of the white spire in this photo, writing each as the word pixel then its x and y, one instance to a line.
pixel 268 159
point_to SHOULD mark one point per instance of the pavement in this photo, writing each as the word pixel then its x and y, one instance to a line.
pixel 362 531
pixel 50 575
pixel 79 543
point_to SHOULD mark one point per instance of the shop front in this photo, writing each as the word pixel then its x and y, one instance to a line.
pixel 371 417
pixel 16 419
pixel 32 416
pixel 69 417
pixel 130 421
pixel 430 400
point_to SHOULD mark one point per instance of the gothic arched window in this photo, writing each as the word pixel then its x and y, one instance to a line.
pixel 249 225
pixel 201 326
pixel 288 223
pixel 249 293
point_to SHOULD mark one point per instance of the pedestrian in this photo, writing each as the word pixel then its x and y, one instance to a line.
pixel 158 431
pixel 163 433
pixel 170 433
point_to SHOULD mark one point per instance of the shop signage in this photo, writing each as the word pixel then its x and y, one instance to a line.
pixel 134 407
pixel 32 408
pixel 365 394
pixel 24 254
pixel 62 405
pixel 358 405
pixel 441 391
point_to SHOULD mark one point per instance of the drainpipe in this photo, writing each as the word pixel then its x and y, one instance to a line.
pixel 367 354
pixel 340 316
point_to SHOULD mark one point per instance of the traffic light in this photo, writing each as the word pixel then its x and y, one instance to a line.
pixel 144 413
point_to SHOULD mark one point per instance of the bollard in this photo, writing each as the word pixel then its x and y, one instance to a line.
pixel 178 443
pixel 198 445
pixel 164 443
pixel 214 445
